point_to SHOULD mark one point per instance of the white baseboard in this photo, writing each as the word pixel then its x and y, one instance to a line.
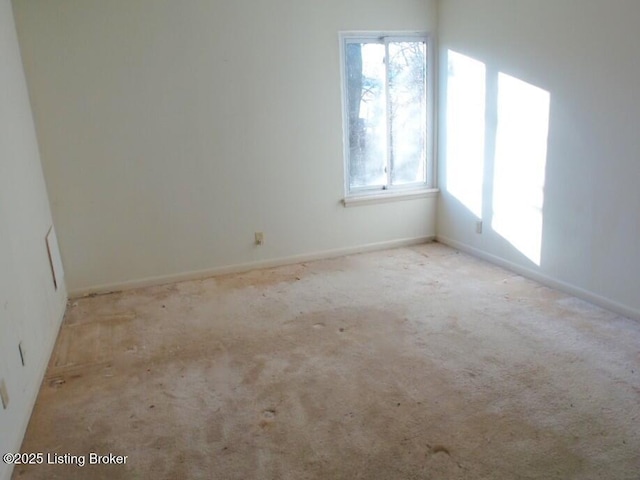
pixel 594 298
pixel 244 267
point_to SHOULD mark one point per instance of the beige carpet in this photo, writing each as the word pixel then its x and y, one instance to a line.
pixel 414 363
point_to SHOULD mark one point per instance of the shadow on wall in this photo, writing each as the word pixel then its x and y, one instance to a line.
pixel 496 138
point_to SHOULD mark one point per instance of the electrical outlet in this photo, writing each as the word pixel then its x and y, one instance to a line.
pixel 479 226
pixel 259 238
pixel 4 395
pixel 22 353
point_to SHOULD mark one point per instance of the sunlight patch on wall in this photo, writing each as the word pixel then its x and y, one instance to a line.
pixel 519 164
pixel 465 130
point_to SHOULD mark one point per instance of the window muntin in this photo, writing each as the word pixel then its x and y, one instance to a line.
pixel 386 105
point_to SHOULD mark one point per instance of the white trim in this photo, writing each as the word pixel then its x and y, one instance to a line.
pixel 591 297
pixel 245 267
pixel 388 196
pixel 432 77
pixel 345 110
pixel 387 121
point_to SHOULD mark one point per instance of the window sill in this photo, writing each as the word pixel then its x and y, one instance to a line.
pixel 387 196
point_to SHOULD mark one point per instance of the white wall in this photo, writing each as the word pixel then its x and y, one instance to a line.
pixel 30 308
pixel 584 54
pixel 171 131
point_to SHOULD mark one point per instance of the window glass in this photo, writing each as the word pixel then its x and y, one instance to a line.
pixel 407 111
pixel 386 110
pixel 367 106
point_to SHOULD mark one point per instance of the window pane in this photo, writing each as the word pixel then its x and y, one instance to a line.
pixel 407 111
pixel 367 114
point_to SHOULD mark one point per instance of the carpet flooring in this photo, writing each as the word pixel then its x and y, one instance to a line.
pixel 411 363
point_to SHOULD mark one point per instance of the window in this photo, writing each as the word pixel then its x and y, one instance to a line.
pixel 386 95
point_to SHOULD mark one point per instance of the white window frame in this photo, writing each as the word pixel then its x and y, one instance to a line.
pixel 368 195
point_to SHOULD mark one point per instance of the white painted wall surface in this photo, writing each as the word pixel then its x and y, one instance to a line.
pixel 30 308
pixel 584 53
pixel 171 131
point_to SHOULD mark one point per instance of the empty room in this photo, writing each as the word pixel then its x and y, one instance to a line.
pixel 304 239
